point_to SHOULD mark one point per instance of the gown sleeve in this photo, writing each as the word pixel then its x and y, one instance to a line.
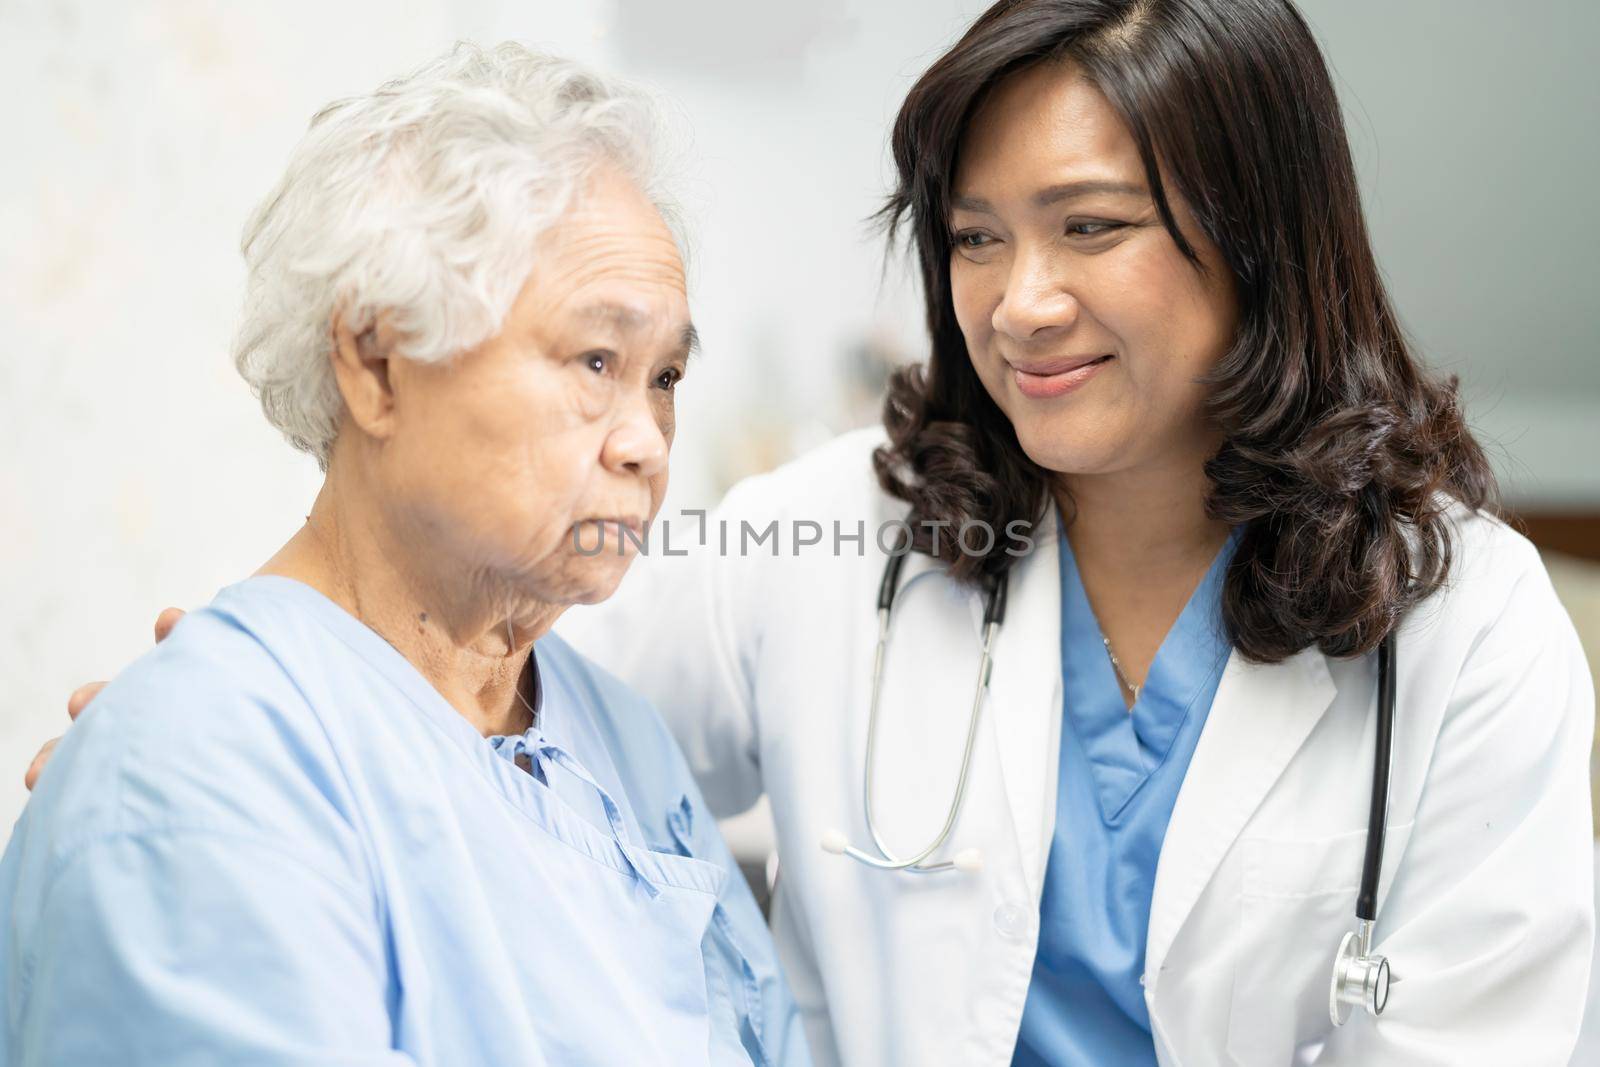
pixel 203 947
pixel 187 885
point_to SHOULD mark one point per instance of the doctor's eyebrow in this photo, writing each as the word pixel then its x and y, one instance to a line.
pixel 626 320
pixel 1053 194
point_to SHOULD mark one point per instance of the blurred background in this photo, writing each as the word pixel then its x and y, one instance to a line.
pixel 136 471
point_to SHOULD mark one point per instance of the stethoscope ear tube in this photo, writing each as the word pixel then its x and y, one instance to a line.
pixel 994 610
pixel 891 576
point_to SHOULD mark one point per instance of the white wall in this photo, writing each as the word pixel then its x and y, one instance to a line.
pixel 1474 127
pixel 136 472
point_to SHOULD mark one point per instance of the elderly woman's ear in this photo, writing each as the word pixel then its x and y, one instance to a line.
pixel 361 351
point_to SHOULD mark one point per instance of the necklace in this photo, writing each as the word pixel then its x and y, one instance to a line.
pixel 1116 665
pixel 511 642
pixel 533 716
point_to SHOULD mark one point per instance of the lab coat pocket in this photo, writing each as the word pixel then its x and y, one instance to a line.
pixel 1297 899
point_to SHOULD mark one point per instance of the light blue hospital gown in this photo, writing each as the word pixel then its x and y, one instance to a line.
pixel 271 841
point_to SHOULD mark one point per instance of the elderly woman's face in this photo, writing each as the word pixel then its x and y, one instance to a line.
pixel 525 457
pixel 1083 320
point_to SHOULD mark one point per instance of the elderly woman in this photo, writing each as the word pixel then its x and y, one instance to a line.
pixel 344 814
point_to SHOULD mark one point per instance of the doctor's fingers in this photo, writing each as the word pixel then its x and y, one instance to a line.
pixel 34 768
pixel 166 621
pixel 84 693
pixel 80 698
pixel 75 704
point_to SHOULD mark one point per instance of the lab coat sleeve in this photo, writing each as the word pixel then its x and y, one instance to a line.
pixel 1489 925
pixel 685 630
pixel 198 947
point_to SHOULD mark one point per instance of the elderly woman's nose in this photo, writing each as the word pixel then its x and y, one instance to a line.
pixel 637 443
pixel 1036 298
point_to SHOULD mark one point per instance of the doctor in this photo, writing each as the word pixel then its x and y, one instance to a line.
pixel 1159 333
pixel 1160 341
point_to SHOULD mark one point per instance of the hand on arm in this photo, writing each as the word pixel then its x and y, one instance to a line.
pixel 82 695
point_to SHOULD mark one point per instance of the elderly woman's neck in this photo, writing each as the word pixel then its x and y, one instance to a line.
pixel 472 643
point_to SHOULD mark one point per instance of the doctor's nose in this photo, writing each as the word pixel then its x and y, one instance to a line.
pixel 1035 303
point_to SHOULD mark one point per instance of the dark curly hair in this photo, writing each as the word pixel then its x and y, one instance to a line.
pixel 1341 453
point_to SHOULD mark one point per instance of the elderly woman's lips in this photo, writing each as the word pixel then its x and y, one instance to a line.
pixel 633 526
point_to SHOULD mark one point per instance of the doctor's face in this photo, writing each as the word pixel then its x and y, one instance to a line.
pixel 523 460
pixel 1082 318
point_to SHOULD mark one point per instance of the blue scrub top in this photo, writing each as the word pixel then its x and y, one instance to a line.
pixel 270 840
pixel 1119 778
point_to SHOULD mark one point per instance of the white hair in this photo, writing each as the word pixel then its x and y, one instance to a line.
pixel 424 200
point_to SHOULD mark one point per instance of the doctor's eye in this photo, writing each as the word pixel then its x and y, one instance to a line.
pixel 1092 227
pixel 972 240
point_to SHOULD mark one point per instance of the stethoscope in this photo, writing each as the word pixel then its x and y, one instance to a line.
pixel 1360 979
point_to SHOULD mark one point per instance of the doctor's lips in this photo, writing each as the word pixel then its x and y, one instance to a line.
pixel 1055 377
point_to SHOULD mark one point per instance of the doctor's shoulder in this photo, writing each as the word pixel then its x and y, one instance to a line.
pixel 1496 599
pixel 1495 656
pixel 832 481
pixel 795 529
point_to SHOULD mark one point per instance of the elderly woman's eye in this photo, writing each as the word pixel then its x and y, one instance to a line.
pixel 669 378
pixel 597 361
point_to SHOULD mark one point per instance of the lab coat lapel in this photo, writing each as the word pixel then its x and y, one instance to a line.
pixel 1024 706
pixel 1260 717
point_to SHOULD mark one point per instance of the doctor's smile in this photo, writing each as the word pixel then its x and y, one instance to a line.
pixel 1055 377
pixel 1153 680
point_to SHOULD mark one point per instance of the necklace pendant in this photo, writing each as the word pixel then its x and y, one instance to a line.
pixel 1116 665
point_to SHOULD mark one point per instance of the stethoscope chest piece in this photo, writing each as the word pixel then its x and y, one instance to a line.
pixel 1360 980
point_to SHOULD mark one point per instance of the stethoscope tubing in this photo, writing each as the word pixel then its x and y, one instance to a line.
pixel 993 617
pixel 1382 766
pixel 1359 976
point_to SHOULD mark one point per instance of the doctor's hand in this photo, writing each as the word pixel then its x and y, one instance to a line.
pixel 81 697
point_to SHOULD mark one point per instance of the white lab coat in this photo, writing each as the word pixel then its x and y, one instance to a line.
pixel 762 664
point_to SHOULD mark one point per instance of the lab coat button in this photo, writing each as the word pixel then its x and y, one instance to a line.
pixel 1013 921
